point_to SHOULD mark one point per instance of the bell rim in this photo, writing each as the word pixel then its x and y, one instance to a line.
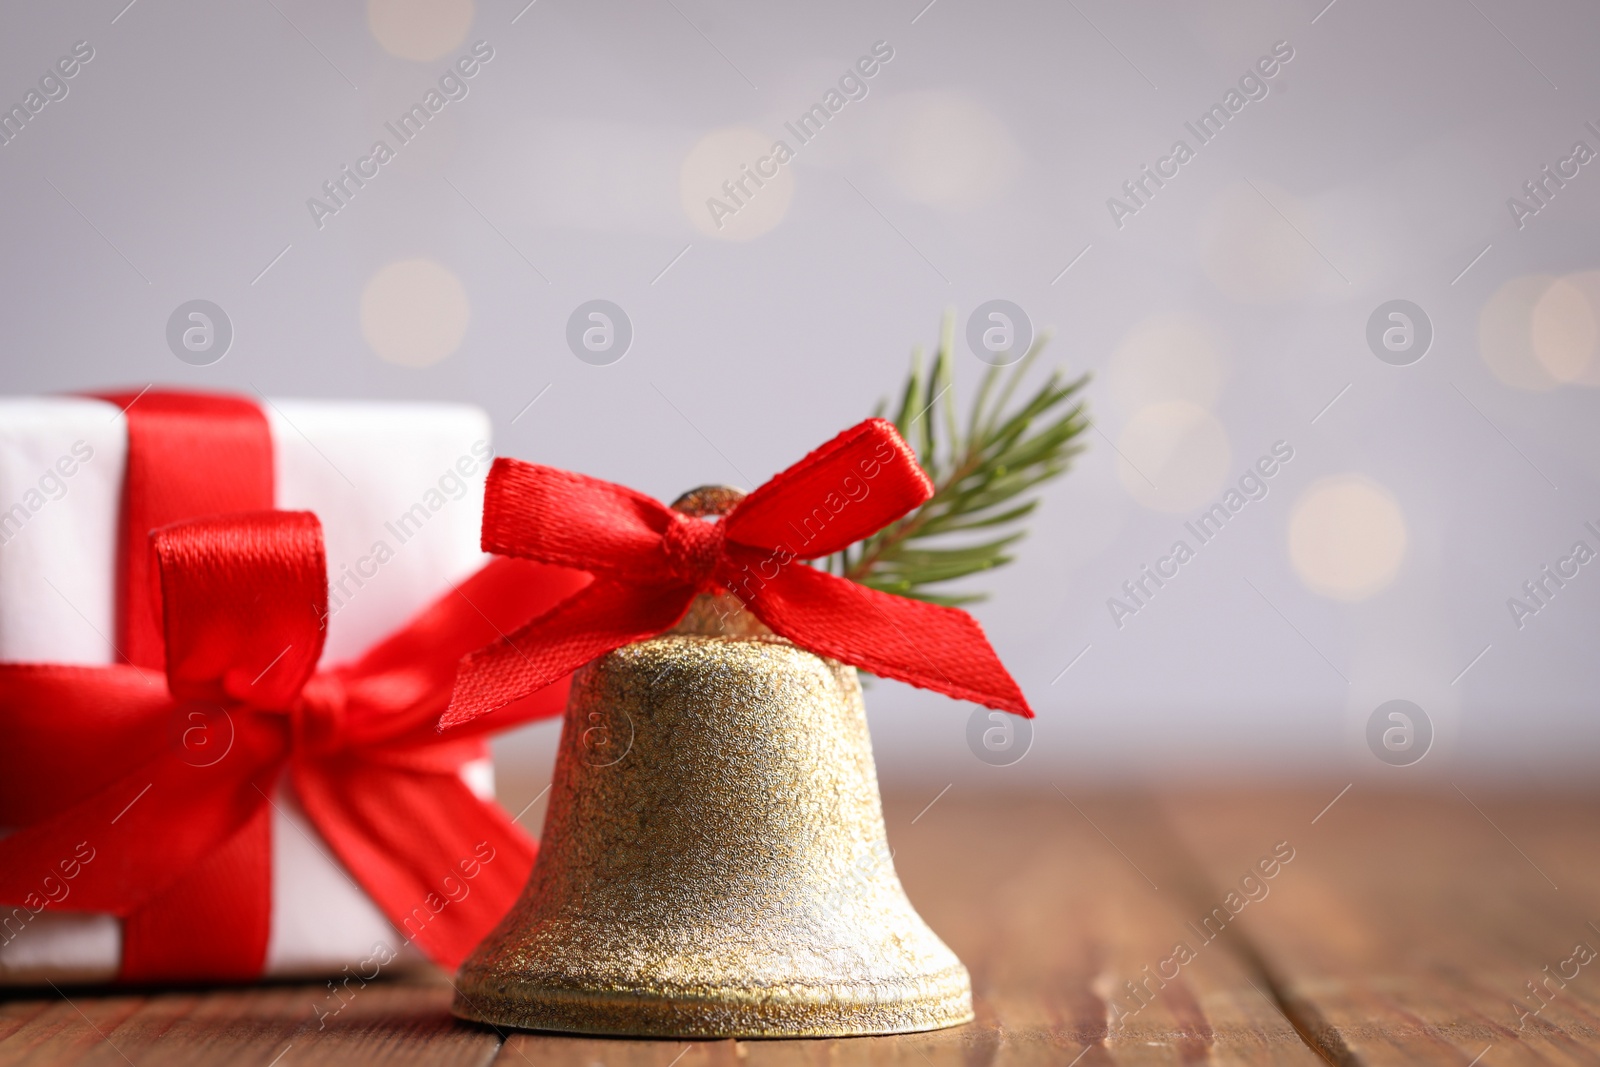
pixel 743 1012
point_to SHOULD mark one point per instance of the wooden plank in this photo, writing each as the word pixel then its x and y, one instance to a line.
pixel 403 1021
pixel 1411 925
pixel 1052 920
pixel 1056 918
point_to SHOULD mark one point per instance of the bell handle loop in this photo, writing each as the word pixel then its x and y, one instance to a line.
pixel 708 501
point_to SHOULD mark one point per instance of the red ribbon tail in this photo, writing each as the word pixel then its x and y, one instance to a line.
pixel 912 641
pixel 606 614
pixel 193 928
pixel 442 864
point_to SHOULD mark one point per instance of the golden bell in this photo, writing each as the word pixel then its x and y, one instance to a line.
pixel 713 862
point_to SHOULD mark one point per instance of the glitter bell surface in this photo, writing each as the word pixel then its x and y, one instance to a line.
pixel 713 861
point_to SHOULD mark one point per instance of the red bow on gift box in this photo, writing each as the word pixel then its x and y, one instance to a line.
pixel 650 561
pixel 169 785
pixel 157 778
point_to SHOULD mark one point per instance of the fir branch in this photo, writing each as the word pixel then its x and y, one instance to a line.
pixel 980 474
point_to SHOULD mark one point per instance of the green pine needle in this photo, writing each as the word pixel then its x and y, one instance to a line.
pixel 980 474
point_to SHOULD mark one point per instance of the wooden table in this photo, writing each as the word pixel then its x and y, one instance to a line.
pixel 1395 928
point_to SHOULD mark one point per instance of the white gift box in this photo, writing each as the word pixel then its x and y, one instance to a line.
pixel 363 468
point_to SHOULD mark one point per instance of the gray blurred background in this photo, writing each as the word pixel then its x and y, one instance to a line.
pixel 1228 313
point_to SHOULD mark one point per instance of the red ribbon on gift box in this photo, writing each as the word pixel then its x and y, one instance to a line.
pixel 172 781
pixel 650 562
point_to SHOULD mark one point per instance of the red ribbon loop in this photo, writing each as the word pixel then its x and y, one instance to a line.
pixel 650 561
pixel 209 569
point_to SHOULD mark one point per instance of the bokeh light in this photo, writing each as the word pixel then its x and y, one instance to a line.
pixel 732 186
pixel 1565 328
pixel 414 312
pixel 1505 333
pixel 421 30
pixel 1347 537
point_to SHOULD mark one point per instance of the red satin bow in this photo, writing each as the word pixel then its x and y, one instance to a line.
pixel 650 561
pixel 159 780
